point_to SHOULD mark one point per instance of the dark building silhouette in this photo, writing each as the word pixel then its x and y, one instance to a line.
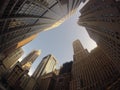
pixel 47 81
pixel 66 68
pixel 101 20
pixel 63 81
pixel 94 71
pixel 64 77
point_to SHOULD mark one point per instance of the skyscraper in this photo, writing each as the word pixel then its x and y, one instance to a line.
pixel 12 58
pixel 101 19
pixel 29 59
pixel 21 19
pixel 47 65
pixel 79 51
pixel 18 78
pixel 43 74
pixel 95 71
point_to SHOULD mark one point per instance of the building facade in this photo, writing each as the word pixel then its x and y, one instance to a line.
pixel 31 83
pixel 63 81
pixel 18 78
pixel 101 19
pixel 15 77
pixel 95 71
pixel 64 77
pixel 47 81
pixel 47 65
pixel 22 20
pixel 12 58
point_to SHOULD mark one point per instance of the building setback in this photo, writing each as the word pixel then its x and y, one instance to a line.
pixel 94 71
pixel 102 21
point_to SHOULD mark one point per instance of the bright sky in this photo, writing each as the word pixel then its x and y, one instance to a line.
pixel 58 41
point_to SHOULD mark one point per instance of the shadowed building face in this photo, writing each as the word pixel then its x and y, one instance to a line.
pixel 94 70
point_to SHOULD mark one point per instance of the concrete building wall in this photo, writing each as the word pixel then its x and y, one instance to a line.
pixel 101 19
pixel 96 71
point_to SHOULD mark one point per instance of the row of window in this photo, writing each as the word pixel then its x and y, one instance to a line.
pixel 97 6
pixel 90 72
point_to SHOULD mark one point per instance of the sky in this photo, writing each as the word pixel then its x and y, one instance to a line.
pixel 58 42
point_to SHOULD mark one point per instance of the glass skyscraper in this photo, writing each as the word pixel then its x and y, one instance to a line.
pixel 22 20
pixel 46 66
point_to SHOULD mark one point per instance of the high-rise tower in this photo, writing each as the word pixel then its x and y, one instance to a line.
pixel 47 65
pixel 94 71
pixel 79 51
pixel 101 19
pixel 17 76
pixel 22 20
pixel 29 59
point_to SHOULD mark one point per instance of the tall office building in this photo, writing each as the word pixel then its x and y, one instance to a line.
pixel 79 51
pixel 47 65
pixel 17 78
pixel 29 59
pixel 22 20
pixel 102 21
pixel 95 71
pixel 12 58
